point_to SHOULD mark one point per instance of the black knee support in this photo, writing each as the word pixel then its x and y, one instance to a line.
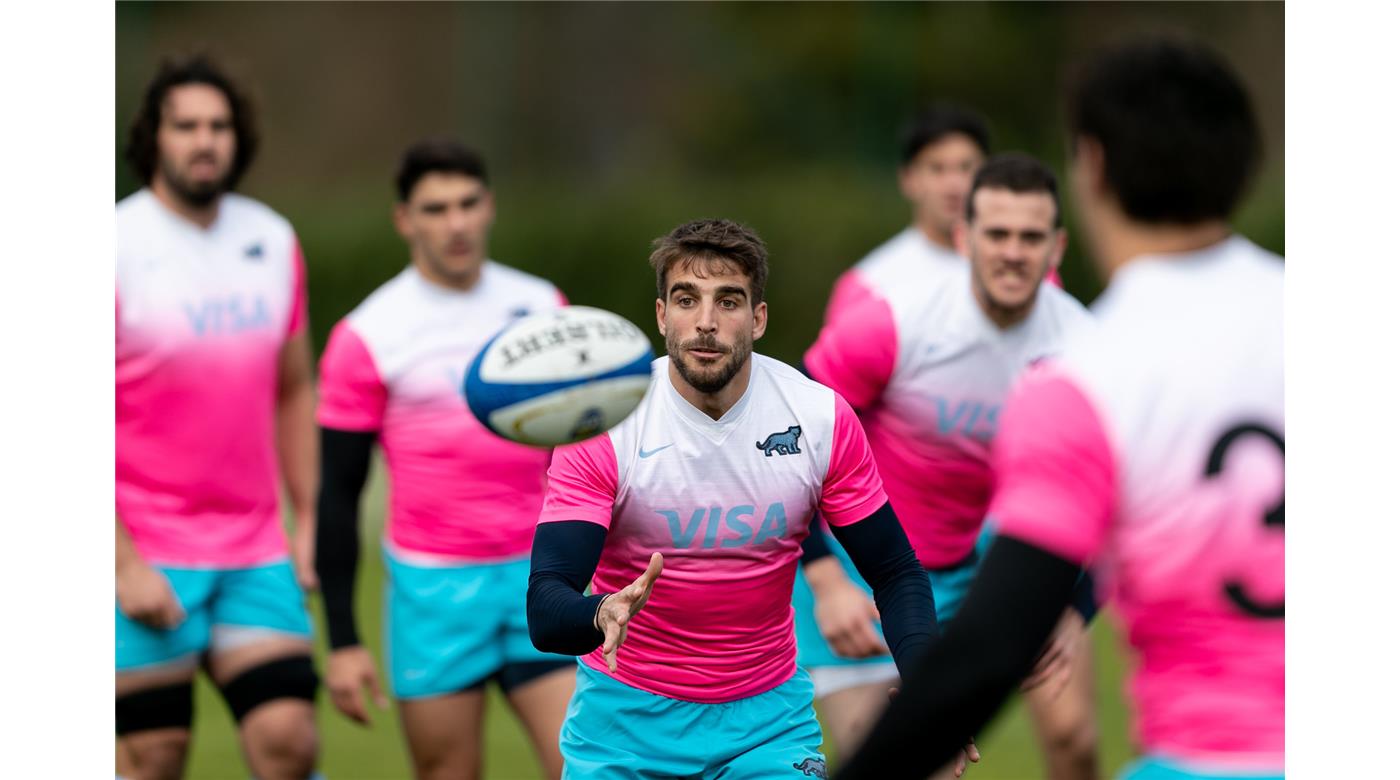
pixel 171 706
pixel 285 678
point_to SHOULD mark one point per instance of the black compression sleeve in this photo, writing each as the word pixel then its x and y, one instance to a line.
pixel 344 466
pixel 814 547
pixel 883 556
pixel 562 560
pixel 1013 605
pixel 1085 602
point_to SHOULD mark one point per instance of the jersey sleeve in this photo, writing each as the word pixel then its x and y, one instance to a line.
pixel 296 322
pixel 855 352
pixel 1054 468
pixel 582 483
pixel 353 395
pixel 852 490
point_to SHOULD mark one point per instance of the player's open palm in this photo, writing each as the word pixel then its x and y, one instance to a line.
pixel 617 609
pixel 349 674
pixel 145 595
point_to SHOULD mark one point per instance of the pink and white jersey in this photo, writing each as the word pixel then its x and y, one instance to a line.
pixel 727 503
pixel 201 317
pixel 1152 451
pixel 929 373
pixel 908 258
pixel 395 365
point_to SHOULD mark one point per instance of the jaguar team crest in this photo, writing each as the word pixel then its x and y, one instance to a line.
pixel 782 442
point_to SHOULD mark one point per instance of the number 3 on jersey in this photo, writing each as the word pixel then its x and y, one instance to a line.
pixel 1235 590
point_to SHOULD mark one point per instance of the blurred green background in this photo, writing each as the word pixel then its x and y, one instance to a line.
pixel 606 124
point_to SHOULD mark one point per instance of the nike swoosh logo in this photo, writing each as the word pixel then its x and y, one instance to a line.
pixel 646 454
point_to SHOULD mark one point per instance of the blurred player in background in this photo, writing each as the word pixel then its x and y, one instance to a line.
pixel 837 642
pixel 1151 449
pixel 691 671
pixel 925 346
pixel 463 501
pixel 929 366
pixel 214 397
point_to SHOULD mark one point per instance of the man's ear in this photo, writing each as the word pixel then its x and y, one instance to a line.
pixel 760 320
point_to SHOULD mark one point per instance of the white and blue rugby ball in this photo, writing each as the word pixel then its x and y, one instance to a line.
pixel 559 376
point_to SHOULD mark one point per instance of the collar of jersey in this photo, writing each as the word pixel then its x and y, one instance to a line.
pixel 435 291
pixel 714 430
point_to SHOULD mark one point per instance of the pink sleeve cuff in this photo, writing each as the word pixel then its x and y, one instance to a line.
pixel 852 490
pixel 582 483
pixel 353 396
pixel 856 350
pixel 296 323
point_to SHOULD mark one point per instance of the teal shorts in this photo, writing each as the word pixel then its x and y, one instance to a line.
pixel 950 586
pixel 613 731
pixel 224 608
pixel 450 628
pixel 1163 768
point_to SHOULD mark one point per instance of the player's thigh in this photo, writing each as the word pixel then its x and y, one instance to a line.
pixel 443 627
pixel 444 733
pixel 848 713
pixel 145 653
pixel 613 731
pixel 539 694
pixel 1067 718
pixel 774 734
pixel 155 671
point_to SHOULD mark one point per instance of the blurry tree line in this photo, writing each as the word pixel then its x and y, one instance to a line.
pixel 604 125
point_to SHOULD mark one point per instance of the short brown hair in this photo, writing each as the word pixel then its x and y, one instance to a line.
pixel 1019 173
pixel 712 240
pixel 141 151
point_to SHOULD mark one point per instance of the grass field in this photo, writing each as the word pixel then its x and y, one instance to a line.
pixel 349 752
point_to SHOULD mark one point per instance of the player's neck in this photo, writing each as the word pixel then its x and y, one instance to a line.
pixel 1125 241
pixel 202 216
pixel 715 404
pixel 940 238
pixel 1000 316
pixel 462 283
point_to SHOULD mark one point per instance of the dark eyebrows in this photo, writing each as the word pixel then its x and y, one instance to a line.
pixel 692 289
pixel 685 287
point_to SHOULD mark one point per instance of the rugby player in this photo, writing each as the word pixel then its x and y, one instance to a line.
pixel 925 346
pixel 463 500
pixel 1150 450
pixel 214 397
pixel 687 519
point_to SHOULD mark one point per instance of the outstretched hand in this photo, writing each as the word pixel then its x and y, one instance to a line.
pixel 617 609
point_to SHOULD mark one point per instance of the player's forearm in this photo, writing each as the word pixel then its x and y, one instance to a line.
pixel 297 448
pixel 562 560
pixel 882 554
pixel 961 682
pixel 343 472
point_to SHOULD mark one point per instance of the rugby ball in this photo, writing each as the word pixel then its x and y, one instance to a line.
pixel 559 376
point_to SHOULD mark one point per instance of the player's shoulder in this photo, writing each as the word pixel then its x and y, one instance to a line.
pixel 508 280
pixel 392 304
pixel 1062 310
pixel 792 384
